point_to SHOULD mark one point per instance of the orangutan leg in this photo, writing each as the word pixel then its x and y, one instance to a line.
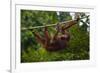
pixel 47 37
pixel 39 38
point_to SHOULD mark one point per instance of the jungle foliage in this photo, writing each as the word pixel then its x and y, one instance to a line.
pixel 32 51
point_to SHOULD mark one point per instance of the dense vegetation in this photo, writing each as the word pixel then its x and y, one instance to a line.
pixel 32 51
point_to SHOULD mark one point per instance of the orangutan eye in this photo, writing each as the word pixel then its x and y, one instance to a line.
pixel 63 38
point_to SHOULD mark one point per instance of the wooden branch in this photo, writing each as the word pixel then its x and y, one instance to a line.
pixel 50 25
pixel 29 28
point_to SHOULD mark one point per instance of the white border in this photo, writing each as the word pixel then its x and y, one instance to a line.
pixel 15 56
